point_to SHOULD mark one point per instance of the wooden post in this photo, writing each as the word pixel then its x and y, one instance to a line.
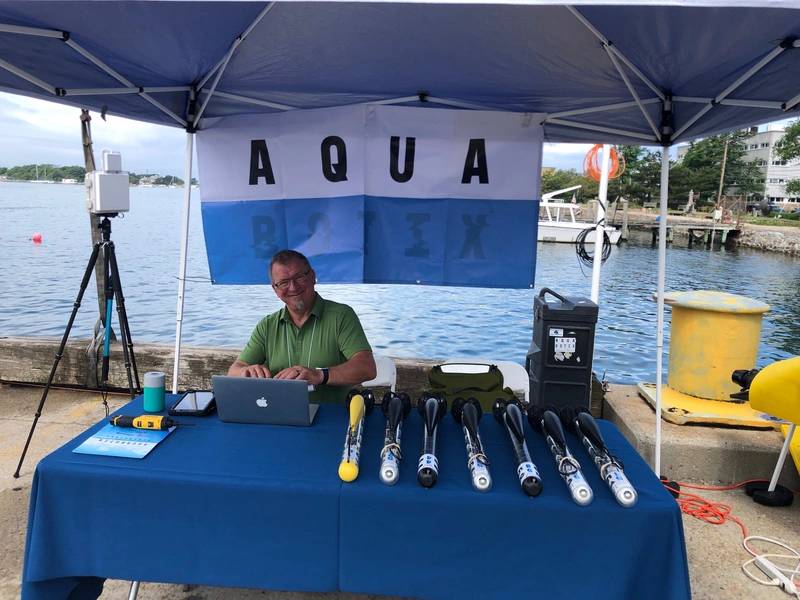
pixel 624 234
pixel 94 221
pixel 722 173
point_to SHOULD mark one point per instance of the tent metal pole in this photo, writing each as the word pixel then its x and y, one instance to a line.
pixel 773 482
pixel 163 109
pixel 613 49
pixel 239 39
pixel 400 100
pixel 36 31
pixel 218 76
pixel 27 76
pixel 124 90
pixel 187 204
pixel 220 67
pixel 632 134
pixel 456 103
pixel 246 100
pixel 124 81
pixel 594 109
pixel 662 272
pixel 765 60
pixel 770 104
pixel 627 82
pixel 752 103
pixel 97 62
pixel 599 231
pixel 768 58
pixel 790 104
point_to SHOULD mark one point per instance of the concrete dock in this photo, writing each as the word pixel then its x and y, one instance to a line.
pixel 715 552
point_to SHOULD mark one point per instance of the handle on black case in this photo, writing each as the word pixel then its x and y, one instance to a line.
pixel 545 290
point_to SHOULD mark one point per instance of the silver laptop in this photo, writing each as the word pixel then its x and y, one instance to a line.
pixel 266 401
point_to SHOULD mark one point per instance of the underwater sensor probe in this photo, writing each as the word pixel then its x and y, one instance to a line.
pixel 568 467
pixel 610 468
pixel 360 402
pixel 396 408
pixel 432 407
pixel 510 415
pixel 467 413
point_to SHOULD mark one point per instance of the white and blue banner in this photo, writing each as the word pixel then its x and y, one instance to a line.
pixel 374 194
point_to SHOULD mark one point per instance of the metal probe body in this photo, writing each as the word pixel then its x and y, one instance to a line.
pixel 468 414
pixel 610 469
pixel 509 414
pixel 396 407
pixel 568 467
pixel 432 407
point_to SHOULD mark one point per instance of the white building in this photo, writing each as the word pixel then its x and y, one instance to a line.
pixel 760 148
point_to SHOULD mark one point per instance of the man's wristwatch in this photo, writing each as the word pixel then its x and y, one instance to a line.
pixel 325 375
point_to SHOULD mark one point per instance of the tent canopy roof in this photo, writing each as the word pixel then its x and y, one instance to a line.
pixel 599 71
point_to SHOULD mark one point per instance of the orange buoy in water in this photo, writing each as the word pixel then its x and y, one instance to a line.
pixel 37 238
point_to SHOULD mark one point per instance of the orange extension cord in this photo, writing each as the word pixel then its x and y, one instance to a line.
pixel 715 513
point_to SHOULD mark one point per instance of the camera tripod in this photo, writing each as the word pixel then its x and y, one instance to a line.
pixel 111 288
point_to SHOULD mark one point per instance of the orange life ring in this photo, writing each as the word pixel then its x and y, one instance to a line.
pixel 593 167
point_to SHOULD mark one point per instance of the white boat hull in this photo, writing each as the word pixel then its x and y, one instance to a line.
pixel 566 233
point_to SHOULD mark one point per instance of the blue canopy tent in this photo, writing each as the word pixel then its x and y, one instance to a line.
pixel 641 71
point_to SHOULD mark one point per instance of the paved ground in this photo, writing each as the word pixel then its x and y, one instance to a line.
pixel 714 552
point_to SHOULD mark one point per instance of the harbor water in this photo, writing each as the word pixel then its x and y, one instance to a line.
pixel 40 282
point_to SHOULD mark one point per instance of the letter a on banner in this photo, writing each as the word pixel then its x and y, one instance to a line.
pixel 375 194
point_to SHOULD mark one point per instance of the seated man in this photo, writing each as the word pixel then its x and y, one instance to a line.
pixel 311 338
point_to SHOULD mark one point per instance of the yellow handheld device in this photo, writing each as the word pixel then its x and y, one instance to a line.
pixel 144 422
pixel 348 468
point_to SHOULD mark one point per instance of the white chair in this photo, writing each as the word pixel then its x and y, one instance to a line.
pixel 514 374
pixel 387 373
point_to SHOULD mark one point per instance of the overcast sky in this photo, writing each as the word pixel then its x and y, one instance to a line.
pixel 34 131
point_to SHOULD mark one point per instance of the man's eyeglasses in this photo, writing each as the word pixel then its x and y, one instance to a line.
pixel 299 280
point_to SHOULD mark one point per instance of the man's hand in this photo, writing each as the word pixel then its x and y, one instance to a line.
pixel 256 371
pixel 242 369
pixel 313 376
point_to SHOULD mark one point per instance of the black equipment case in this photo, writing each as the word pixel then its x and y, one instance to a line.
pixel 559 362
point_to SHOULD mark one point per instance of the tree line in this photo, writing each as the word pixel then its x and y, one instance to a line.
pixel 50 172
pixel 699 171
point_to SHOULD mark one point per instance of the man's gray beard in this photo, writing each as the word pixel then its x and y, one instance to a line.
pixel 299 305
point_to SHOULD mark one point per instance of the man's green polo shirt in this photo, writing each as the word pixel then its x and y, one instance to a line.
pixel 331 335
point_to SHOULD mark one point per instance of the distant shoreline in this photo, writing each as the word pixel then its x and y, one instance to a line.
pixel 133 185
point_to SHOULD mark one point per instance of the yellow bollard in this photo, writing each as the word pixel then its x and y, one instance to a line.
pixel 712 334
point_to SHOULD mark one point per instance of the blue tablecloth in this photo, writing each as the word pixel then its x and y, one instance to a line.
pixel 261 506
pixel 215 503
pixel 452 542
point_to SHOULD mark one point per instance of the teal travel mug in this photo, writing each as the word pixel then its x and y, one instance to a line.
pixel 154 391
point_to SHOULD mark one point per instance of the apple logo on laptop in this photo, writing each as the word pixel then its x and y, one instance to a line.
pixel 262 402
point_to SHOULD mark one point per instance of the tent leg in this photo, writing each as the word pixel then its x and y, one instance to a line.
pixel 602 195
pixel 187 204
pixel 662 271
pixel 781 459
